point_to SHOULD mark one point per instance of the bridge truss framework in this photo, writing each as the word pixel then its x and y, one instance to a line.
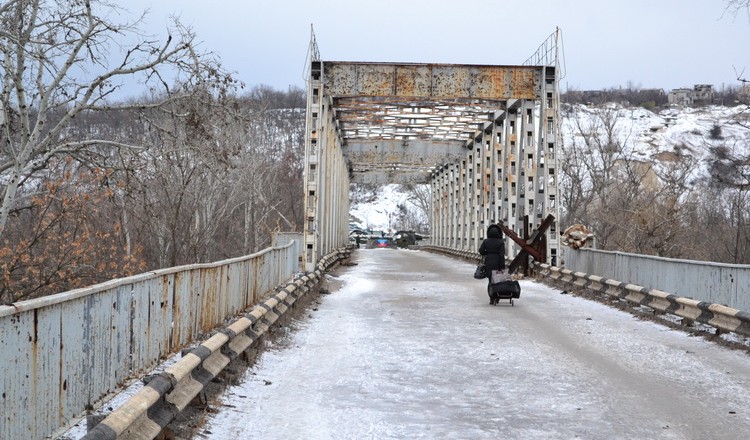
pixel 483 137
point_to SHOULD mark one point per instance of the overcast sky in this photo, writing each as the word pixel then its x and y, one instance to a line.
pixel 607 43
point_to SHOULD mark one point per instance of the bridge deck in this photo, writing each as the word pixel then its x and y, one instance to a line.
pixel 408 347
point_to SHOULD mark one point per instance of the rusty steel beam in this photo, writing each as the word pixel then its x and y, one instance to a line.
pixel 401 151
pixel 394 176
pixel 431 80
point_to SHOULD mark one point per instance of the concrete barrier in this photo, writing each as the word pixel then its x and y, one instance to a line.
pixel 718 316
pixel 719 283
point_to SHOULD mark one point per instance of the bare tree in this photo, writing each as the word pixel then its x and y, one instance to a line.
pixel 67 237
pixel 416 213
pixel 221 175
pixel 62 59
pixel 602 155
pixel 730 174
pixel 632 204
pixel 734 7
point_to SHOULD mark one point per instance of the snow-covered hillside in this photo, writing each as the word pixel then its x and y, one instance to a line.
pixel 662 136
pixel 379 214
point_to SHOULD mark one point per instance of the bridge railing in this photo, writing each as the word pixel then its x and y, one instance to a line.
pixel 719 316
pixel 63 353
pixel 718 283
pixel 166 394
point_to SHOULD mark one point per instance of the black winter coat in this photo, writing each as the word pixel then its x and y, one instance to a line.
pixel 493 248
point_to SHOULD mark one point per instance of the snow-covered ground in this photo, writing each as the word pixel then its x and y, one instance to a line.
pixel 409 348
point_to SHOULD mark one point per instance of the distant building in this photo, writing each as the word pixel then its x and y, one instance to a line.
pixel 653 92
pixel 700 94
pixel 680 97
pixel 703 94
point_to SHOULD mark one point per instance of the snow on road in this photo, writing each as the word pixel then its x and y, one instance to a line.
pixel 408 347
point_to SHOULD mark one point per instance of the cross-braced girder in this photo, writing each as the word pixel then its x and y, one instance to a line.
pixel 373 118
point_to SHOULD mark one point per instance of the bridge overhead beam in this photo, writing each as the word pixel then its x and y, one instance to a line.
pixel 384 177
pixel 391 150
pixel 381 161
pixel 444 81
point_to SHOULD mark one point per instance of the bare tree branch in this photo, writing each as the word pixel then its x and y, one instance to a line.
pixel 56 66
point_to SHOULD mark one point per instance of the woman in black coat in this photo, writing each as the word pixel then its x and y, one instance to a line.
pixel 493 249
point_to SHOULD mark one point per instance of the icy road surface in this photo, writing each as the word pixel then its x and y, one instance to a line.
pixel 410 348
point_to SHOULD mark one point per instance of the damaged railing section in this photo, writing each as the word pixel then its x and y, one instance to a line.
pixel 721 317
pixel 166 394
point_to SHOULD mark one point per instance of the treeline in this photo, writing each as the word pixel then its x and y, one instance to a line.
pixel 679 203
pixel 94 188
pixel 211 178
pixel 729 95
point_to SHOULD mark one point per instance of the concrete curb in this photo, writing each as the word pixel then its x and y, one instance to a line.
pixel 718 316
pixel 473 257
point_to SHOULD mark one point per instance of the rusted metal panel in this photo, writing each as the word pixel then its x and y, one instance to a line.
pixel 185 307
pixel 65 352
pixel 413 80
pixel 45 366
pixel 142 338
pixel 264 282
pixel 247 270
pixel 257 271
pixel 235 298
pixel 234 286
pixel 375 79
pixel 207 297
pixel 102 337
pixel 444 81
pixel 59 359
pixel 16 332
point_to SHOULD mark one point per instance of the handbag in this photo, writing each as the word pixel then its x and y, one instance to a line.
pixel 480 272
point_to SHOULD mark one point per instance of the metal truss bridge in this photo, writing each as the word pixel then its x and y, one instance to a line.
pixel 484 137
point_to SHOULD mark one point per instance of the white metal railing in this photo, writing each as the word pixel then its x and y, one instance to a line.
pixel 65 352
pixel 717 283
pixel 719 316
pixel 166 394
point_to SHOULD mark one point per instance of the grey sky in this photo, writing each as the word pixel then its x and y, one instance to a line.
pixel 651 43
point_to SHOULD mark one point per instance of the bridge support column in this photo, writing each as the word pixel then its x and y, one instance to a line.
pixel 326 176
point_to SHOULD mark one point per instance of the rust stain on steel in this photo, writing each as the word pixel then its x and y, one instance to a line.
pixel 255 282
pixel 413 81
pixel 208 290
pixel 177 317
pixel 375 80
pixel 525 83
pixel 445 81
